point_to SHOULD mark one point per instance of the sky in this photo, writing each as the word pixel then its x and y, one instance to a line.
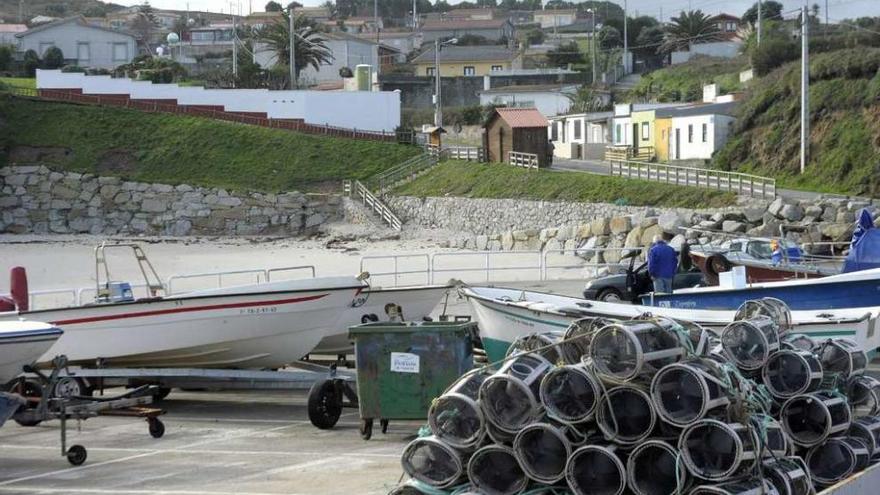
pixel 838 9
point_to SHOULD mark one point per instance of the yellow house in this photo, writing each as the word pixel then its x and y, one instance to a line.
pixel 644 132
pixel 663 129
pixel 467 60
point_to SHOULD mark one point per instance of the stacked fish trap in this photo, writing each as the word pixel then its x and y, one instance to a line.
pixel 653 406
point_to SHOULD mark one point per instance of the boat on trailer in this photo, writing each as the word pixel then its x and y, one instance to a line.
pixel 22 343
pixel 507 314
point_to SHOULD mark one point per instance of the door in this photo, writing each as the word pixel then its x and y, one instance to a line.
pixel 635 136
pixel 678 144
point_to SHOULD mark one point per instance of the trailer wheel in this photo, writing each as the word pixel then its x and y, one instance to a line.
pixel 27 389
pixel 156 427
pixel 366 428
pixel 69 386
pixel 77 455
pixel 325 404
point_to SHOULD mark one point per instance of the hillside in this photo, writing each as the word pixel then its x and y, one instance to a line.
pixel 495 180
pixel 54 8
pixel 684 82
pixel 845 128
pixel 175 149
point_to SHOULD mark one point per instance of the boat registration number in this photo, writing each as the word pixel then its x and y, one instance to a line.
pixel 258 311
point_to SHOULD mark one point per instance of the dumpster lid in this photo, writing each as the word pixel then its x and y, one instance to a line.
pixel 409 327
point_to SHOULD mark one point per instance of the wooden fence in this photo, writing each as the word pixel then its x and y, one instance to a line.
pixel 735 182
pixel 519 159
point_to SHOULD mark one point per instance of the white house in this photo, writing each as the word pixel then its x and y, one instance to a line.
pixel 698 131
pixel 348 51
pixel 581 135
pixel 549 99
pixel 8 32
pixel 621 122
pixel 81 43
pixel 555 18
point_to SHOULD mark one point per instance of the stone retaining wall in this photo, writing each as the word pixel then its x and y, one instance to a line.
pixel 34 199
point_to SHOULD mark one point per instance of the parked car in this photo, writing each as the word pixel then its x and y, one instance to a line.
pixel 628 286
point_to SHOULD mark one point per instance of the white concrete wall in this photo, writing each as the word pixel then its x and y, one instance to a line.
pixel 363 110
pixel 68 36
pixel 718 131
pixel 346 53
pixel 548 103
pixel 625 124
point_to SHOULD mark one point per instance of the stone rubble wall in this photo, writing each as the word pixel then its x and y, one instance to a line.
pixel 34 199
pixel 519 225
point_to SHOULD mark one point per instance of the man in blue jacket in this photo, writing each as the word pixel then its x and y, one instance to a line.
pixel 662 265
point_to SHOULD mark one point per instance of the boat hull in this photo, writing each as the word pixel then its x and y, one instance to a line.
pixel 756 272
pixel 506 314
pixel 417 303
pixel 224 330
pixel 20 347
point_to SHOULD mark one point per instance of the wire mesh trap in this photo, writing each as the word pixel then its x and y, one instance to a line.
pixel 686 392
pixel 538 344
pixel 579 335
pixel 713 450
pixel 788 373
pixel 431 461
pixel 652 469
pixel 842 357
pixel 626 415
pixel 509 398
pixel 864 395
pixel 494 470
pixel 625 350
pixel 542 451
pixel 831 461
pixel 809 419
pixel 571 393
pixel 789 475
pixel 596 470
pixel 456 417
pixel 752 486
pixel 868 429
pixel 749 343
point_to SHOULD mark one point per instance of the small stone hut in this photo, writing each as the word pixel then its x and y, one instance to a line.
pixel 522 130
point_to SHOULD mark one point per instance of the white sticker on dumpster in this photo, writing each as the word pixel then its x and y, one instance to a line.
pixel 404 362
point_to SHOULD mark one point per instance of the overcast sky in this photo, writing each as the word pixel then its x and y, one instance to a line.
pixel 838 9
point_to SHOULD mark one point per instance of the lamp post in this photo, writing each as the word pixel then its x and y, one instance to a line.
pixel 292 48
pixel 438 107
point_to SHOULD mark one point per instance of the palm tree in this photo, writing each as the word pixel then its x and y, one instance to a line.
pixel 310 48
pixel 692 26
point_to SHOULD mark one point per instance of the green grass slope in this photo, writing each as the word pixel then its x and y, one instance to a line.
pixel 176 149
pixel 845 125
pixel 496 180
pixel 684 82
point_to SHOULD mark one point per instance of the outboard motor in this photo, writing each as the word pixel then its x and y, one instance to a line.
pixel 18 291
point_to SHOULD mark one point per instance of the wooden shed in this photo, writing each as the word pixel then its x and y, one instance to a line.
pixel 521 130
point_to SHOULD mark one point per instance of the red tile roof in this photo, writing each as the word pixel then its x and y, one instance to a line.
pixel 12 28
pixel 442 25
pixel 522 117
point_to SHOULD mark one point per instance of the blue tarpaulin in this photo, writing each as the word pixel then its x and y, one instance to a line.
pixel 864 252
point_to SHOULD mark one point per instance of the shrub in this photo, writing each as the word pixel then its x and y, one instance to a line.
pixel 6 52
pixel 30 63
pixel 54 58
pixel 773 53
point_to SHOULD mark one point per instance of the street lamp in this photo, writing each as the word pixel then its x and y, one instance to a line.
pixel 438 108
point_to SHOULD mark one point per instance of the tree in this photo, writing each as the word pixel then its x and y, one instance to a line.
pixel 566 53
pixel 773 52
pixel 535 37
pixel 771 9
pixel 647 45
pixel 310 46
pixel 610 37
pixel 30 63
pixel 585 100
pixel 53 58
pixel 6 52
pixel 56 10
pixel 144 24
pixel 273 6
pixel 689 27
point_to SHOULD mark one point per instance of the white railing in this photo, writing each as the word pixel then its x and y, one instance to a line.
pixel 403 269
pixel 369 199
pixel 469 153
pixel 735 182
pixel 519 159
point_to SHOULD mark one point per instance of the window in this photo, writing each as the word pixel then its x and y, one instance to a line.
pixel 617 133
pixel 646 131
pixel 577 129
pixel 203 35
pixel 430 71
pixel 83 53
pixel 705 133
pixel 731 27
pixel 120 52
pixel 562 127
pixel 496 68
pixel 45 45
pixel 555 132
pixel 690 133
pixel 469 70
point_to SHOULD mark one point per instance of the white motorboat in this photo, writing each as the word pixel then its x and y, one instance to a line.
pixel 23 343
pixel 506 314
pixel 382 304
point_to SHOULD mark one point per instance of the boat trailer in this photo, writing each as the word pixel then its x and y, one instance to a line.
pixel 46 397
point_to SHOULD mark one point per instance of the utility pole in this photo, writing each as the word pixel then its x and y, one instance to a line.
pixel 376 21
pixel 292 52
pixel 825 30
pixel 593 45
pixel 760 20
pixel 234 51
pixel 625 40
pixel 415 19
pixel 438 108
pixel 805 87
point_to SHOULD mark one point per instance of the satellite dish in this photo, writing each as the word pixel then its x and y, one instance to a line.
pixel 172 38
pixel 190 22
pixel 160 51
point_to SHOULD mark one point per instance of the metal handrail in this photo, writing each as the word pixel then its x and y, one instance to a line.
pixel 370 199
pixel 722 180
pixel 219 275
pixel 397 272
pixel 270 271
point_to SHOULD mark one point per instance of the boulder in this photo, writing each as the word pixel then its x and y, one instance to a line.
pixel 813 213
pixel 154 205
pixel 845 216
pixel 554 246
pixel 776 206
pixel 546 234
pixel 507 241
pixel 583 231
pixel 838 231
pixel 620 225
pixel 856 205
pixel 792 213
pixel 677 242
pixel 649 233
pixel 646 222
pixel 482 242
pixel 754 215
pixel 732 226
pixel 600 226
pixel 671 222
pixel 634 238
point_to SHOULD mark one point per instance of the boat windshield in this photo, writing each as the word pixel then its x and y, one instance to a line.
pixel 759 250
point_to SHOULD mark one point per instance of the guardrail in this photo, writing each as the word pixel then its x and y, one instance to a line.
pixel 369 199
pixel 519 159
pixel 735 182
pixel 67 96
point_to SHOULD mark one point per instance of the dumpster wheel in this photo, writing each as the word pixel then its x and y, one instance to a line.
pixel 325 404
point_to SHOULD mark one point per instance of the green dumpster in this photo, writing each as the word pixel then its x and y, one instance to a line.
pixel 403 367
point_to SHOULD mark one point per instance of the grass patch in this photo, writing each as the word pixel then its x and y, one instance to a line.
pixel 175 149
pixel 21 82
pixel 466 179
pixel 684 82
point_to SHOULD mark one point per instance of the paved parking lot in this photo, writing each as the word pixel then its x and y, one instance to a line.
pixel 244 443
